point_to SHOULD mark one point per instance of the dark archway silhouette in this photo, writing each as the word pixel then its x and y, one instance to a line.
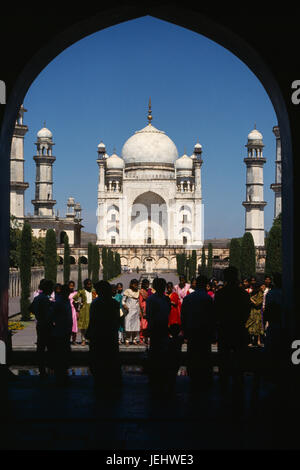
pixel 193 20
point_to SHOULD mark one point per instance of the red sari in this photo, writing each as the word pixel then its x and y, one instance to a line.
pixel 174 316
pixel 142 301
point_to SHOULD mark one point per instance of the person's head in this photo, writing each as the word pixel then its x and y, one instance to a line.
pixel 277 279
pixel 87 284
pixel 182 281
pixel 246 283
pixel 252 281
pixel 41 284
pixel 208 287
pixel 134 285
pixel 145 284
pixel 193 283
pixel 160 285
pixel 47 287
pixel 215 282
pixel 119 287
pixel 220 285
pixel 170 287
pixel 256 287
pixel 201 282
pixel 231 275
pixel 174 329
pixel 113 289
pixel 71 285
pixel 263 287
pixel 268 281
pixel 103 289
pixel 57 288
pixel 65 291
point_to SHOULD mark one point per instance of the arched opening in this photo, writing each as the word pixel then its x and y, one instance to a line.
pixel 195 22
pixel 83 260
pixel 149 222
pixel 62 237
pixel 72 260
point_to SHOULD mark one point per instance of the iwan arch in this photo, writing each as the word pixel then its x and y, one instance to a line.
pixel 230 32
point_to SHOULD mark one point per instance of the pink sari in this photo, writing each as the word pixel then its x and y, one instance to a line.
pixel 182 292
pixel 74 313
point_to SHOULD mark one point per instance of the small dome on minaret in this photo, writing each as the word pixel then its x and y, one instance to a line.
pixel 101 147
pixel 254 135
pixel 44 133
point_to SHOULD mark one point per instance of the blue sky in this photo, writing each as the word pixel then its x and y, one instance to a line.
pixel 98 89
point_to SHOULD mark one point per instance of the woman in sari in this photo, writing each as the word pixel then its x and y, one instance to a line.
pixel 174 317
pixel 86 296
pixel 182 288
pixel 254 322
pixel 144 294
pixel 131 305
pixel 74 307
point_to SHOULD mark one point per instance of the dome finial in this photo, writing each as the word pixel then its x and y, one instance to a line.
pixel 255 125
pixel 149 112
pixel 44 123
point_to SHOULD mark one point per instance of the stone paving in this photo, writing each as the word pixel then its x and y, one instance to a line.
pixel 41 415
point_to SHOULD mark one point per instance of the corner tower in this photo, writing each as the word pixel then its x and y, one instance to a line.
pixel 254 204
pixel 44 202
pixel 17 184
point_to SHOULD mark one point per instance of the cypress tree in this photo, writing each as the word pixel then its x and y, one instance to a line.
pixel 248 256
pixel 50 261
pixel 79 277
pixel 66 259
pixel 193 264
pixel 274 248
pixel 96 264
pixel 110 262
pixel 119 268
pixel 210 261
pixel 104 264
pixel 25 270
pixel 203 262
pixel 90 259
pixel 235 253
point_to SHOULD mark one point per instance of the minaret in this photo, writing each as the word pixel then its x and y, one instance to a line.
pixel 277 185
pixel 43 202
pixel 17 185
pixel 101 161
pixel 254 204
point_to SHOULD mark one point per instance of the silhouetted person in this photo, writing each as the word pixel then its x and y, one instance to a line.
pixel 41 307
pixel 174 354
pixel 62 321
pixel 273 319
pixel 232 308
pixel 158 308
pixel 197 321
pixel 103 339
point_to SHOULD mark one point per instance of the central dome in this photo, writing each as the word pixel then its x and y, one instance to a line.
pixel 149 145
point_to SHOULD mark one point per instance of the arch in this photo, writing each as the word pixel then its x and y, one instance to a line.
pixel 149 219
pixel 135 262
pixel 194 20
pixel 60 260
pixel 62 236
pixel 124 261
pixel 83 260
pixel 72 260
pixel 162 263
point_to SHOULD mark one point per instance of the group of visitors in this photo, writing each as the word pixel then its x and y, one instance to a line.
pixel 162 316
